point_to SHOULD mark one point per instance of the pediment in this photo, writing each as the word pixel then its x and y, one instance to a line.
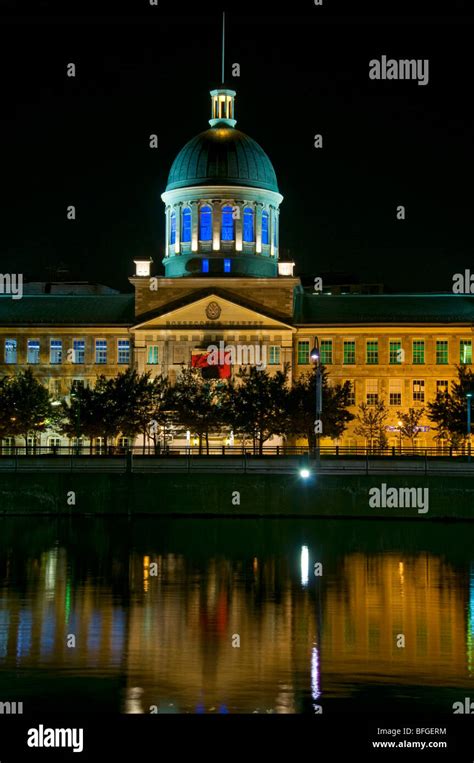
pixel 211 311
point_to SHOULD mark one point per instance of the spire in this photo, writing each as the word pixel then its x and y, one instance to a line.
pixel 222 99
pixel 223 45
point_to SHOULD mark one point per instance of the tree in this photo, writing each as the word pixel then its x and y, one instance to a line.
pixel 410 423
pixel 26 405
pixel 255 405
pixel 92 412
pixel 449 409
pixel 371 424
pixel 162 413
pixel 197 405
pixel 133 397
pixel 302 401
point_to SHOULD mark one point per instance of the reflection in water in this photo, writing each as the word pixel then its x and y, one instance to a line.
pixel 195 617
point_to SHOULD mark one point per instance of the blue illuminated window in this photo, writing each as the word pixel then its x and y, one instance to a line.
pixel 205 266
pixel 101 351
pixel 226 266
pixel 205 224
pixel 249 235
pixel 265 238
pixel 186 237
pixel 227 224
pixel 55 351
pixel 10 351
pixel 173 228
pixel 79 347
pixel 33 351
pixel 123 351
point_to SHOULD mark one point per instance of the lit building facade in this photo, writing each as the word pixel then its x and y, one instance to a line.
pixel 224 282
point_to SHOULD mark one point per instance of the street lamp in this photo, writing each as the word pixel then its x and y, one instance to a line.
pixel 75 394
pixel 469 398
pixel 315 356
pixel 400 433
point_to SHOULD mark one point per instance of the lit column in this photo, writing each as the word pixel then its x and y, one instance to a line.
pixel 258 227
pixel 167 239
pixel 271 223
pixel 238 226
pixel 177 245
pixel 195 225
pixel 216 226
pixel 276 237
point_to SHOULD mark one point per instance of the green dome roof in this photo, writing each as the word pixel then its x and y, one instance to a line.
pixel 222 156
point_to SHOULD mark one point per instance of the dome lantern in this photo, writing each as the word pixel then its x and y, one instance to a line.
pixel 223 107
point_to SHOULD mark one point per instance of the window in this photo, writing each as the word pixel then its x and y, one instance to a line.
pixel 441 386
pixel 274 355
pixel 395 392
pixel 205 266
pixel 265 233
pixel 418 390
pixel 123 351
pixel 226 266
pixel 10 351
pixel 326 351
pixel 441 352
pixel 101 351
pixel 395 352
pixel 227 233
pixel 465 351
pixel 33 351
pixel 173 228
pixel 303 353
pixel 55 351
pixel 418 352
pixel 79 347
pixel 186 232
pixel 372 352
pixel 351 400
pixel 205 224
pixel 372 391
pixel 249 234
pixel 152 359
pixel 349 352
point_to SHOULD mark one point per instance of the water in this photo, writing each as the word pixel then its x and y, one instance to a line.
pixel 170 641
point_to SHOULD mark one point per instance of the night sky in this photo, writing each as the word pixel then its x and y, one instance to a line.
pixel 84 141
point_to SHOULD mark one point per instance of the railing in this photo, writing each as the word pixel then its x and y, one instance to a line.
pixel 328 451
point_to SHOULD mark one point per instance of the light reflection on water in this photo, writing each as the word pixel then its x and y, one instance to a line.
pixel 219 616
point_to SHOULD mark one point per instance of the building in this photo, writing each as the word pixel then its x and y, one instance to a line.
pixel 224 282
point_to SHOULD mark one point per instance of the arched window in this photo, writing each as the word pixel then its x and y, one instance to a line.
pixel 227 224
pixel 186 232
pixel 265 239
pixel 205 224
pixel 173 228
pixel 249 235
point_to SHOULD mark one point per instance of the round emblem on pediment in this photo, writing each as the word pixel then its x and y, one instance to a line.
pixel 213 311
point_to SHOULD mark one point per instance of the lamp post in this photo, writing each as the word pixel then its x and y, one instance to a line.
pixel 316 360
pixel 469 398
pixel 74 394
pixel 400 433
